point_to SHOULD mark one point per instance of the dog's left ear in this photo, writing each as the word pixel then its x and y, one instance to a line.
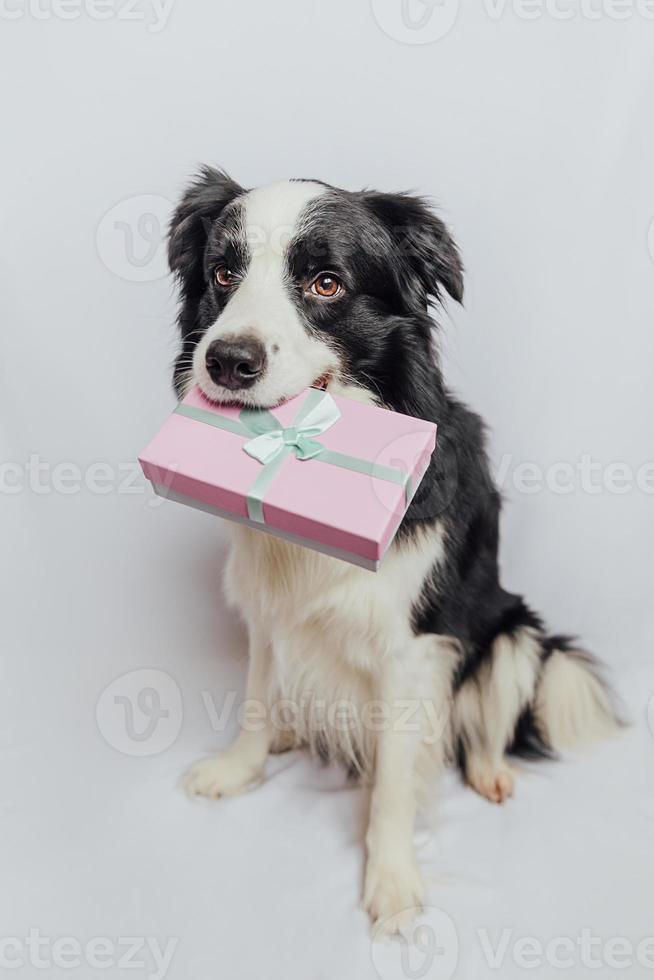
pixel 425 245
pixel 203 202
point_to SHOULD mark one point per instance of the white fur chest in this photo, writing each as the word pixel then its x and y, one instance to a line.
pixel 330 627
pixel 301 598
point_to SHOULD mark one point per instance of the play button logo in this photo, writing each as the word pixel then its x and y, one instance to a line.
pixel 416 21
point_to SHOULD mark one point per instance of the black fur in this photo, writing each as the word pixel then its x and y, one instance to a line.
pixel 193 221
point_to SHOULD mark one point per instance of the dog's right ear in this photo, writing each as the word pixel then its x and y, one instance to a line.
pixel 211 191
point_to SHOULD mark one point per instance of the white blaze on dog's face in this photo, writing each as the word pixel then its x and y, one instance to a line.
pixel 258 350
pixel 299 282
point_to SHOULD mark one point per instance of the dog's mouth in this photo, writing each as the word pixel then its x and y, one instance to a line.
pixel 323 381
pixel 240 399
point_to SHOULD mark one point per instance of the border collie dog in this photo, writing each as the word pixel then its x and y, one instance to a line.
pixel 300 283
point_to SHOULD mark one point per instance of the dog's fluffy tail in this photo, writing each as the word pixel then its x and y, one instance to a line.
pixel 532 695
pixel 573 703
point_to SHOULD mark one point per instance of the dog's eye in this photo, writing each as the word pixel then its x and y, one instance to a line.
pixel 224 276
pixel 327 285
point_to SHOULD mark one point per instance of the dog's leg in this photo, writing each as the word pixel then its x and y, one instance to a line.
pixel 487 708
pixel 416 687
pixel 233 770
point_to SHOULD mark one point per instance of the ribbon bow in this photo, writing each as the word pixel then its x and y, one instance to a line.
pixel 317 414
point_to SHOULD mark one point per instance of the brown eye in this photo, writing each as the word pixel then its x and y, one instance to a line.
pixel 326 284
pixel 224 276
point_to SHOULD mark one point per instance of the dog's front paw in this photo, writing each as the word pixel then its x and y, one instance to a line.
pixel 393 896
pixel 221 775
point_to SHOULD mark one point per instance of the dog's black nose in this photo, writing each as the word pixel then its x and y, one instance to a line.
pixel 236 362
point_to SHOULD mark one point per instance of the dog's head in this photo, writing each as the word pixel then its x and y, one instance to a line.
pixel 300 283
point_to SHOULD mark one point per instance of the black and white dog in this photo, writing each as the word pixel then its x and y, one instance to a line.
pixel 300 283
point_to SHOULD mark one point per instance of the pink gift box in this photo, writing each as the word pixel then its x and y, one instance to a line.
pixel 321 471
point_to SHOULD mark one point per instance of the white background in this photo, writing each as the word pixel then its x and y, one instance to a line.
pixel 534 136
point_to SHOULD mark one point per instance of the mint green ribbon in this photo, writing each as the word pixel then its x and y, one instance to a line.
pixel 271 443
